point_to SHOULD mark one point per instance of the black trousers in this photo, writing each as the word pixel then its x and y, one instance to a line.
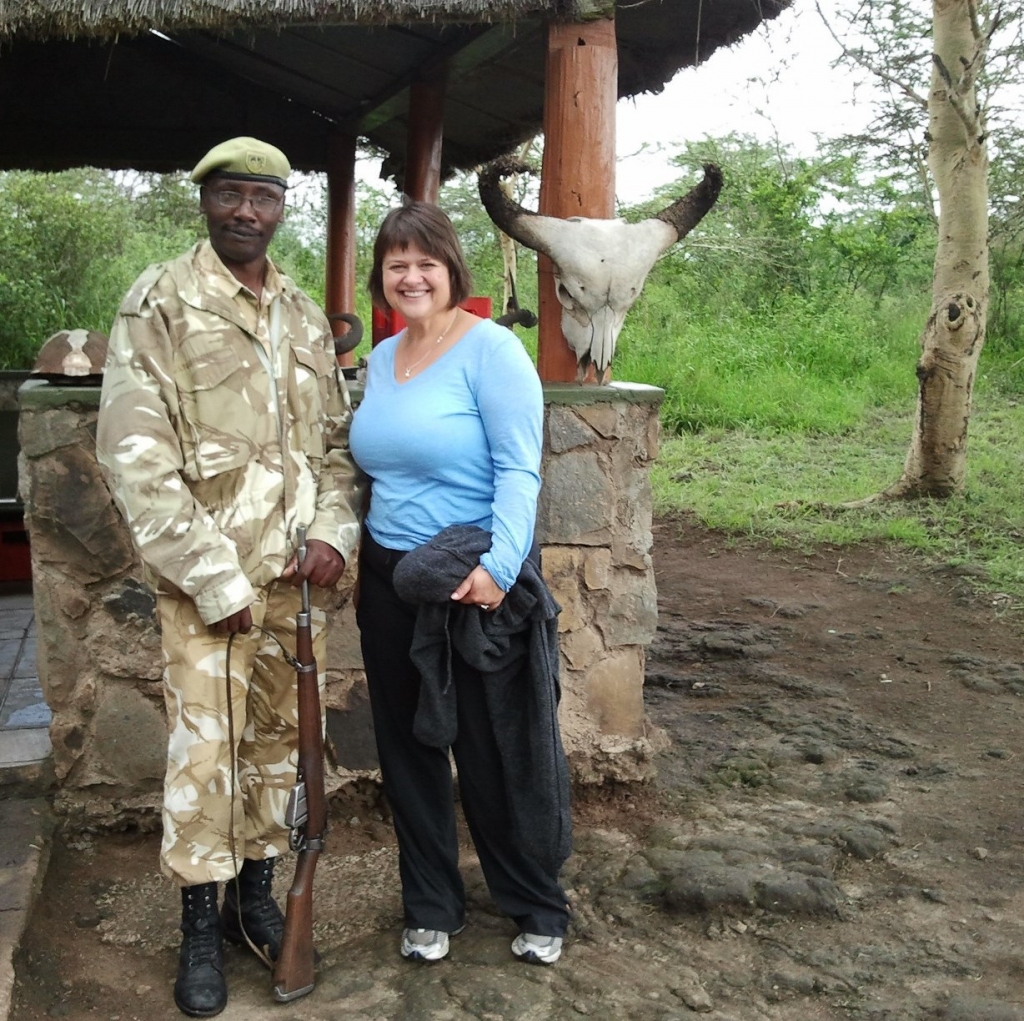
pixel 418 778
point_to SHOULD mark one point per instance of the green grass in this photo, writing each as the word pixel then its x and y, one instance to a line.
pixel 774 418
pixel 803 365
pixel 787 488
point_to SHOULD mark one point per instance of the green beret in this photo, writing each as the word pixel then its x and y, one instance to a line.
pixel 246 158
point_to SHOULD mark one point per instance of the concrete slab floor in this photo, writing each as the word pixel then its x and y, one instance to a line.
pixel 26 821
pixel 22 706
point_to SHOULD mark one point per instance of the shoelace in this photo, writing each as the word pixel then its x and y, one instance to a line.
pixel 202 946
pixel 264 912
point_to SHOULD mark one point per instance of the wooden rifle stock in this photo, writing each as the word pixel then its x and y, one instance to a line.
pixel 307 817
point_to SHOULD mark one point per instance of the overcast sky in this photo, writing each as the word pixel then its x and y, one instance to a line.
pixel 775 80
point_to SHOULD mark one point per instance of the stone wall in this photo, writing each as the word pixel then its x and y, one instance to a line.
pixel 99 650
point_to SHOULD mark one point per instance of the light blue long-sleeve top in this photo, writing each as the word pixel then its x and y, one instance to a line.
pixel 457 444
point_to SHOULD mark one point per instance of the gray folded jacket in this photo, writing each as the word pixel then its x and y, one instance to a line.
pixel 515 648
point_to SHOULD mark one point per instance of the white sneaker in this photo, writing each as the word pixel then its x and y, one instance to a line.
pixel 533 949
pixel 426 944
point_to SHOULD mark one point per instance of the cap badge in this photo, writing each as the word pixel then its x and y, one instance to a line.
pixel 255 162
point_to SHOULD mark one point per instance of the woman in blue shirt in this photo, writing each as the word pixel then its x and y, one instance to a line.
pixel 450 432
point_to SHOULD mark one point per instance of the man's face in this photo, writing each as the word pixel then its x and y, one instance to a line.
pixel 241 217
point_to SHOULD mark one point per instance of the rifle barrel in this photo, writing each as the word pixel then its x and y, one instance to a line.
pixel 294 968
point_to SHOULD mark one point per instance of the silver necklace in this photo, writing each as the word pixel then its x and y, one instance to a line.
pixel 410 367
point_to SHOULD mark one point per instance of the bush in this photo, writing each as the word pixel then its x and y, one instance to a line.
pixel 813 364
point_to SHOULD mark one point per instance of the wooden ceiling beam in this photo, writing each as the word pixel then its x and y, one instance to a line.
pixel 458 59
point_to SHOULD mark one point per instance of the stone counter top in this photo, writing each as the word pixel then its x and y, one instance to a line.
pixel 39 393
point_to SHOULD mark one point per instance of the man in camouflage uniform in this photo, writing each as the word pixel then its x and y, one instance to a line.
pixel 224 425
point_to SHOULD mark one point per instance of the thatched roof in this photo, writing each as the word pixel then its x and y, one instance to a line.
pixel 150 83
pixel 69 19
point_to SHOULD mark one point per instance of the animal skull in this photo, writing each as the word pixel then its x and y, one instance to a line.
pixel 600 265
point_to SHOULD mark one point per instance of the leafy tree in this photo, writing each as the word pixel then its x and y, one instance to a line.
pixel 760 225
pixel 164 204
pixel 1006 251
pixel 892 40
pixel 785 225
pixel 875 238
pixel 901 41
pixel 60 238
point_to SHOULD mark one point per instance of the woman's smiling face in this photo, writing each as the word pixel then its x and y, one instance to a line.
pixel 416 284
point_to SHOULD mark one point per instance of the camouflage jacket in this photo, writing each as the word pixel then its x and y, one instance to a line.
pixel 216 442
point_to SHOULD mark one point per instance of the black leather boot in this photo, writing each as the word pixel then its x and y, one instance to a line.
pixel 200 989
pixel 260 918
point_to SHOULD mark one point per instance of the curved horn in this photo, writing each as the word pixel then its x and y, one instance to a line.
pixel 518 317
pixel 687 211
pixel 350 341
pixel 507 215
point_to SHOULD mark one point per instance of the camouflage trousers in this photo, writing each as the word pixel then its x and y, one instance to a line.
pixel 224 799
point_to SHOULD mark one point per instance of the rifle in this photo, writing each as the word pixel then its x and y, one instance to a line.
pixel 306 816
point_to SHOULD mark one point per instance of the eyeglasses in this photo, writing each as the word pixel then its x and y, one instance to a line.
pixel 235 199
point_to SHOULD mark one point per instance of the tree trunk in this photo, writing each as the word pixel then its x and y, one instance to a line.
pixel 955 332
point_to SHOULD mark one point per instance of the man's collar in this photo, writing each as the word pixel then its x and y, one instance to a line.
pixel 229 285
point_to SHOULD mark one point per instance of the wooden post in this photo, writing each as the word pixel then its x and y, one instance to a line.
pixel 425 138
pixel 340 287
pixel 578 177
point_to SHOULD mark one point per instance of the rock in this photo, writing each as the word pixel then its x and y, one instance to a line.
pixel 794 982
pixel 863 840
pixel 867 791
pixel 702 887
pixel 692 992
pixel 972 1008
pixel 795 894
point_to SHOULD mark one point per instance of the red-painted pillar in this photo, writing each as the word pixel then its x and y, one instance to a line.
pixel 425 139
pixel 578 177
pixel 340 287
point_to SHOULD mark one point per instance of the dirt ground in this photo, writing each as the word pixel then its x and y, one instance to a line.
pixel 835 832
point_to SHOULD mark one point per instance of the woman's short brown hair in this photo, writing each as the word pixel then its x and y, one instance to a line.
pixel 428 228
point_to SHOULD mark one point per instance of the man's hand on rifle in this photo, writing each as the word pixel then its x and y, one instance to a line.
pixel 323 565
